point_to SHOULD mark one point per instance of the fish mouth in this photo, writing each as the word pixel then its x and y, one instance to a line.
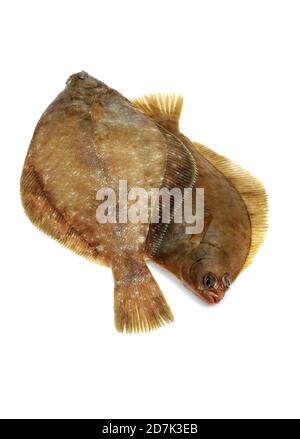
pixel 212 296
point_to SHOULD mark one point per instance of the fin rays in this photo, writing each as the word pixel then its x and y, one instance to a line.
pixel 165 109
pixel 139 304
pixel 251 191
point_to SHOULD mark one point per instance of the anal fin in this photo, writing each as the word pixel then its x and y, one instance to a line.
pixel 251 191
pixel 43 214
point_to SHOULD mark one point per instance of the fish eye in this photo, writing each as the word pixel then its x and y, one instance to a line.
pixel 210 281
pixel 226 280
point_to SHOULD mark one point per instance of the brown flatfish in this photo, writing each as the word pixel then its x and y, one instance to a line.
pixel 91 137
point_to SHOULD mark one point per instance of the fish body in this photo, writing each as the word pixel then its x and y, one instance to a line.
pixel 91 137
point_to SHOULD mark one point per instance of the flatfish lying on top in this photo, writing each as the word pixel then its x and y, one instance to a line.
pixel 91 137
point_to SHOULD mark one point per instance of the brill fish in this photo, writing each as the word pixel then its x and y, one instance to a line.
pixel 92 137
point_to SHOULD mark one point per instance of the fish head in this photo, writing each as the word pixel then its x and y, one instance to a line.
pixel 206 271
pixel 83 81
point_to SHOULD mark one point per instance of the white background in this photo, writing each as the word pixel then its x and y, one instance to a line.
pixel 237 64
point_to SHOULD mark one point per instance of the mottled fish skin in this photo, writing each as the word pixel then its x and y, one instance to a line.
pixel 91 137
pixel 81 144
pixel 235 214
pixel 222 247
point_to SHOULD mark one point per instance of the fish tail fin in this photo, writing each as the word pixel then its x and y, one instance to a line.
pixel 139 304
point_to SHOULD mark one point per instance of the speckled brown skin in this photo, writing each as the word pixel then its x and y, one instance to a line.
pixel 89 138
pixel 222 247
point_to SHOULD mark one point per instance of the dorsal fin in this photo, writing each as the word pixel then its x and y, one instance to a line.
pixel 251 191
pixel 165 109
